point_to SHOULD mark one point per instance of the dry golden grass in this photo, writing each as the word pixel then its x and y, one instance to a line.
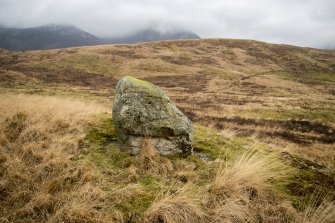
pixel 39 137
pixel 152 163
pixel 232 210
pixel 248 169
pixel 242 190
pixel 318 153
pixel 319 213
pixel 176 207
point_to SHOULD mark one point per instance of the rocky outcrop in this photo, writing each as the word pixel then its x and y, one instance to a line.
pixel 142 110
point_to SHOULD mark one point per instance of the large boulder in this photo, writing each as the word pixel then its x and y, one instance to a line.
pixel 142 110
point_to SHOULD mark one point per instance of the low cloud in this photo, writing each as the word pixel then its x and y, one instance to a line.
pixel 299 22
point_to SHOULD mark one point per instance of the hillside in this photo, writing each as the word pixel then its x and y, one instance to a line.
pixel 264 142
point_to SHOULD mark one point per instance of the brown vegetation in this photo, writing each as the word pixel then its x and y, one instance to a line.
pixel 40 182
pixel 243 185
pixel 176 207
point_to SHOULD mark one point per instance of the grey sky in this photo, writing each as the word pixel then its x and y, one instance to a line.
pixel 299 22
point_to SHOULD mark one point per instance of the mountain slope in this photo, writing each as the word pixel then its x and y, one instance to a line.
pixel 264 134
pixel 45 37
pixel 149 35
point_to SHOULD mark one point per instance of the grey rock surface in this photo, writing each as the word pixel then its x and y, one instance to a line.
pixel 142 110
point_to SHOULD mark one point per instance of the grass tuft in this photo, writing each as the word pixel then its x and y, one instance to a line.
pixel 319 212
pixel 175 207
pixel 242 190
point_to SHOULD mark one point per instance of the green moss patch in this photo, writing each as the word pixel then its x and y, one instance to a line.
pixel 144 84
pixel 103 132
pixel 321 114
pixel 210 142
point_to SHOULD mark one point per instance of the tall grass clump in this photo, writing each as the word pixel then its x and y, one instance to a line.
pixel 242 190
pixel 39 181
pixel 248 169
pixel 319 209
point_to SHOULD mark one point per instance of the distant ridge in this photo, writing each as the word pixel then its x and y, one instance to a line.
pixel 45 37
pixel 62 36
pixel 149 35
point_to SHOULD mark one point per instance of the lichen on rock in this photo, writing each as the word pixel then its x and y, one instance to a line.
pixel 142 110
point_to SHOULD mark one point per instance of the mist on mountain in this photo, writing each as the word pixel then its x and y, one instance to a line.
pixel 62 36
